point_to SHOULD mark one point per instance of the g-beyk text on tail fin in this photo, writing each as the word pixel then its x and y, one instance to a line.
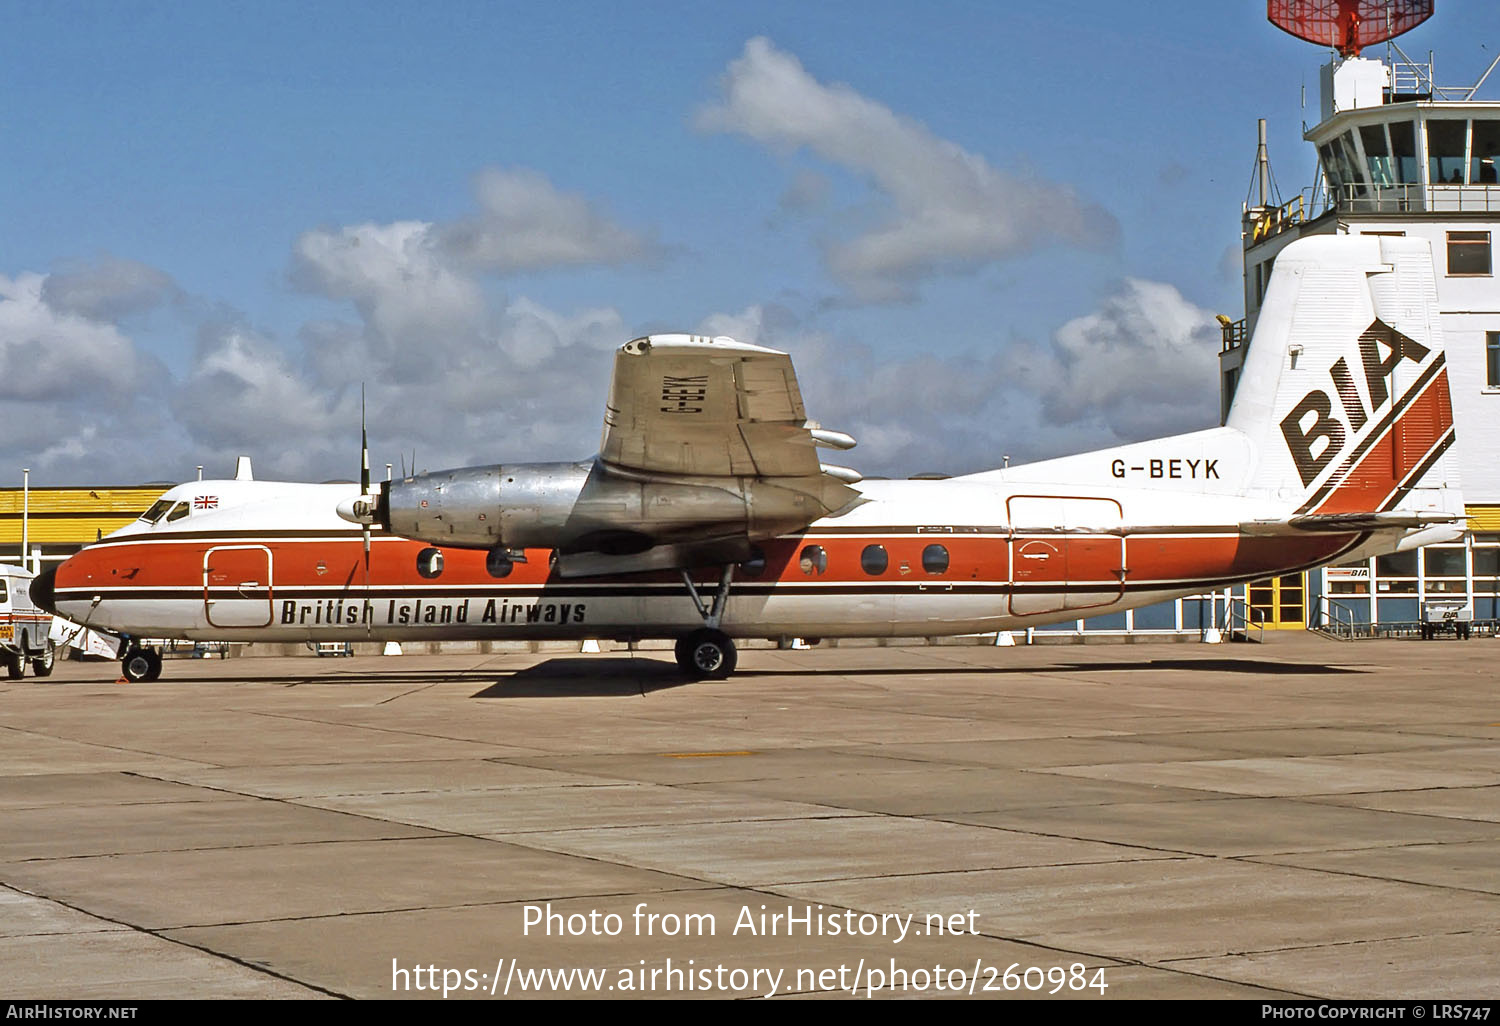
pixel 1344 391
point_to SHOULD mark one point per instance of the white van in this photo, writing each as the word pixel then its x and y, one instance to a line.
pixel 25 630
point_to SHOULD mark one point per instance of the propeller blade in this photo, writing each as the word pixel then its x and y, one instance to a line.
pixel 364 447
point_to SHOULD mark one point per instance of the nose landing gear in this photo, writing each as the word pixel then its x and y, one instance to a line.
pixel 140 664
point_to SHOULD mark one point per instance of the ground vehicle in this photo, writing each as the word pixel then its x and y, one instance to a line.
pixel 25 630
pixel 1439 615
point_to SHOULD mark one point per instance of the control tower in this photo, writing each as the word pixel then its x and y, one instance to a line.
pixel 1397 155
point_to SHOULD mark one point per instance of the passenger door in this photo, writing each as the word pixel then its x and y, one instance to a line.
pixel 237 586
pixel 1065 553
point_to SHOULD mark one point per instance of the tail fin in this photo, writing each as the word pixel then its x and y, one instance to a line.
pixel 1344 391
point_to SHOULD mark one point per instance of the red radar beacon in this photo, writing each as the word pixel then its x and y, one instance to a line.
pixel 1348 25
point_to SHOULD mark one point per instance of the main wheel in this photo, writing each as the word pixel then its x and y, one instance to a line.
pixel 707 654
pixel 141 664
pixel 42 664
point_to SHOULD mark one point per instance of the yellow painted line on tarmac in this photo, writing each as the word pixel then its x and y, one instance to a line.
pixel 702 755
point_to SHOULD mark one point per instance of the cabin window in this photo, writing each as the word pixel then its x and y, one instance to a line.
pixel 430 563
pixel 1468 253
pixel 158 507
pixel 497 563
pixel 756 564
pixel 1445 151
pixel 4 591
pixel 178 512
pixel 873 560
pixel 1484 152
pixel 935 559
pixel 813 560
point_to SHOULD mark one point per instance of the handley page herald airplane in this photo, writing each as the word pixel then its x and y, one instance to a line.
pixel 707 515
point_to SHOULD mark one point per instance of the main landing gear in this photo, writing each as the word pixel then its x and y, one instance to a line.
pixel 140 664
pixel 708 653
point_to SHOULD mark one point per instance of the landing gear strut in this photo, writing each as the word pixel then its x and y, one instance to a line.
pixel 141 664
pixel 708 653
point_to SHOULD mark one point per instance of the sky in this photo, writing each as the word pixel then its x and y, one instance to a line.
pixel 983 231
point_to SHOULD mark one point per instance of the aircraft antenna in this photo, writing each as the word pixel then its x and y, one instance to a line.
pixel 1347 25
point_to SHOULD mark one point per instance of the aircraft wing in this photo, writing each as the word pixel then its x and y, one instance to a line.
pixel 1348 523
pixel 688 404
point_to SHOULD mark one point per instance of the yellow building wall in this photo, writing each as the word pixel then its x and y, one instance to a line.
pixel 1483 518
pixel 70 516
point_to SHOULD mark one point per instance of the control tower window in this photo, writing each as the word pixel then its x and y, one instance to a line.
pixel 1492 359
pixel 1351 166
pixel 1485 153
pixel 1404 151
pixel 1377 156
pixel 1468 253
pixel 1331 170
pixel 1445 151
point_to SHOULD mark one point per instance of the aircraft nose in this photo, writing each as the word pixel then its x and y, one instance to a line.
pixel 42 593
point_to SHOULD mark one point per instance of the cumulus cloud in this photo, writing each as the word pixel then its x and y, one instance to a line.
pixel 417 285
pixel 47 352
pixel 108 289
pixel 525 223
pixel 83 402
pixel 243 391
pixel 78 398
pixel 408 294
pixel 945 209
pixel 1143 364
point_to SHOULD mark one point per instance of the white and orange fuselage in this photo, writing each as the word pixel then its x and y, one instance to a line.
pixel 1337 445
pixel 272 562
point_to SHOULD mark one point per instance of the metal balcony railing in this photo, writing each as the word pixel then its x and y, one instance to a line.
pixel 1413 196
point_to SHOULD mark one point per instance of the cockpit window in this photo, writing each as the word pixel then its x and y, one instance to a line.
pixel 158 507
pixel 178 512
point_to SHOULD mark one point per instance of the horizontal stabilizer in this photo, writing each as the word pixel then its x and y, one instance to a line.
pixel 1348 523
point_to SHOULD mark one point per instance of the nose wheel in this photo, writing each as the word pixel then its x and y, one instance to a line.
pixel 141 664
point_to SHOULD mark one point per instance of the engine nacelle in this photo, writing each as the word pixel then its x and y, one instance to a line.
pixel 514 506
pixel 587 507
